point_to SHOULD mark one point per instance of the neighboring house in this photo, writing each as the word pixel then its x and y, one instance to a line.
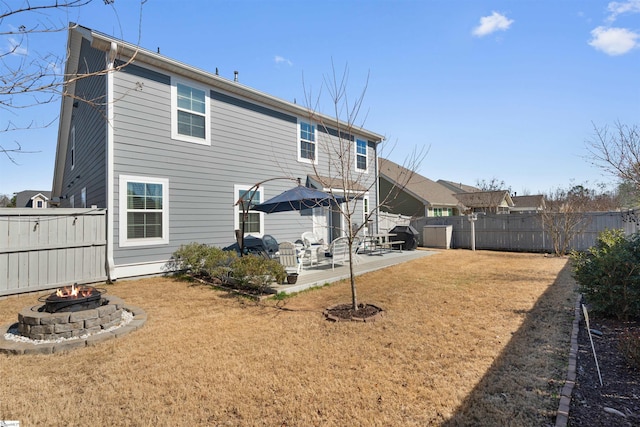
pixel 168 149
pixel 527 204
pixel 486 201
pixel 456 187
pixel 405 192
pixel 33 199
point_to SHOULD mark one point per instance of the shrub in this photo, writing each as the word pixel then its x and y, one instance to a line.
pixel 190 259
pixel 250 271
pixel 629 345
pixel 256 272
pixel 608 275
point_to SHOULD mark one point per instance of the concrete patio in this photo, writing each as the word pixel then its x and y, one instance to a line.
pixel 323 274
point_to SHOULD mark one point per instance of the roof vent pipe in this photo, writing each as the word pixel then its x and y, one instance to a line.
pixel 235 76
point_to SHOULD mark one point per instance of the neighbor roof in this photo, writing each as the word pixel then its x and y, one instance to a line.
pixel 524 202
pixel 420 187
pixel 24 198
pixel 484 199
pixel 458 187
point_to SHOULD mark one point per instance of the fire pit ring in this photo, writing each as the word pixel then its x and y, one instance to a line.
pixel 72 298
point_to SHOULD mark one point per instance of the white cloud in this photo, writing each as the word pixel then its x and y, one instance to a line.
pixel 491 24
pixel 618 8
pixel 614 41
pixel 16 48
pixel 282 60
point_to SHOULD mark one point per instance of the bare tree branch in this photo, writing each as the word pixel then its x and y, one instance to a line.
pixel 337 144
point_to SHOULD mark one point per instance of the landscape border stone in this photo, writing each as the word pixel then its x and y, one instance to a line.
pixel 16 347
pixel 562 415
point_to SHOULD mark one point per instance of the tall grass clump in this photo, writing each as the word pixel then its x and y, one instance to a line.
pixel 608 275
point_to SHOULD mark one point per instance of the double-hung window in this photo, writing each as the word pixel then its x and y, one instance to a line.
pixel 190 114
pixel 307 147
pixel 253 220
pixel 361 155
pixel 144 211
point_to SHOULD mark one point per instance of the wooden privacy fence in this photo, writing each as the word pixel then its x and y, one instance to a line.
pixel 47 248
pixel 524 232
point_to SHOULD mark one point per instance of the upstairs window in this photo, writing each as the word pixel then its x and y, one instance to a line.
pixel 361 155
pixel 190 118
pixel 307 147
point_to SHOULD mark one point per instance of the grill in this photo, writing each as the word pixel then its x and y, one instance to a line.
pixel 407 234
pixel 266 246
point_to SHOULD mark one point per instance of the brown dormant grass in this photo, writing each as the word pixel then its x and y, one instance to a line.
pixel 469 338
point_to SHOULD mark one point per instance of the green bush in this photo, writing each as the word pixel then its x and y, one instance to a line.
pixel 251 272
pixel 190 259
pixel 608 275
pixel 256 272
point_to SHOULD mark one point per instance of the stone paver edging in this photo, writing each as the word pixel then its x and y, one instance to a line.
pixel 562 416
pixel 18 347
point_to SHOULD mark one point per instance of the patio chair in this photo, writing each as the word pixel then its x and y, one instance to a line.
pixel 288 257
pixel 338 252
pixel 314 248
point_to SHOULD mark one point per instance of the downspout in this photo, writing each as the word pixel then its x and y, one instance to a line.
pixel 377 192
pixel 110 267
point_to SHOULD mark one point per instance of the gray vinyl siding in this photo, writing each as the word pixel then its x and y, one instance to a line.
pixel 249 143
pixel 400 202
pixel 90 135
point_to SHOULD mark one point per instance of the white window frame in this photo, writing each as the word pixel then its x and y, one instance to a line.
pixel 366 155
pixel 73 147
pixel 174 112
pixel 124 240
pixel 236 208
pixel 72 201
pixel 301 159
pixel 83 197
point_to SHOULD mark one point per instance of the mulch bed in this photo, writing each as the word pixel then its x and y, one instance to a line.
pixel 596 405
pixel 345 312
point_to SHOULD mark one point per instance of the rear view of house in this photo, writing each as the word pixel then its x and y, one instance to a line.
pixel 168 149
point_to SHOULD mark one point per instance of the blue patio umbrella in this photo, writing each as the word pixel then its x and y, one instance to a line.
pixel 298 198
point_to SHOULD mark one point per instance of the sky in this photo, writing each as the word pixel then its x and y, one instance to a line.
pixel 504 90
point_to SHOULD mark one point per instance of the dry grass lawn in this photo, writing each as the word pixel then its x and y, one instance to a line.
pixel 469 338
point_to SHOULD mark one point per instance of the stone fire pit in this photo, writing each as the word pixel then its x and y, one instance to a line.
pixel 41 329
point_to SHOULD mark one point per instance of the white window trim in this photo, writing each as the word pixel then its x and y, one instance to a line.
pixel 298 143
pixel 73 147
pixel 174 112
pixel 72 201
pixel 236 208
pixel 83 197
pixel 124 241
pixel 366 155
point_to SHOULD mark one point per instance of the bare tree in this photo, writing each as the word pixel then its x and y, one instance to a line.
pixel 617 151
pixel 564 216
pixel 494 184
pixel 27 78
pixel 337 143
